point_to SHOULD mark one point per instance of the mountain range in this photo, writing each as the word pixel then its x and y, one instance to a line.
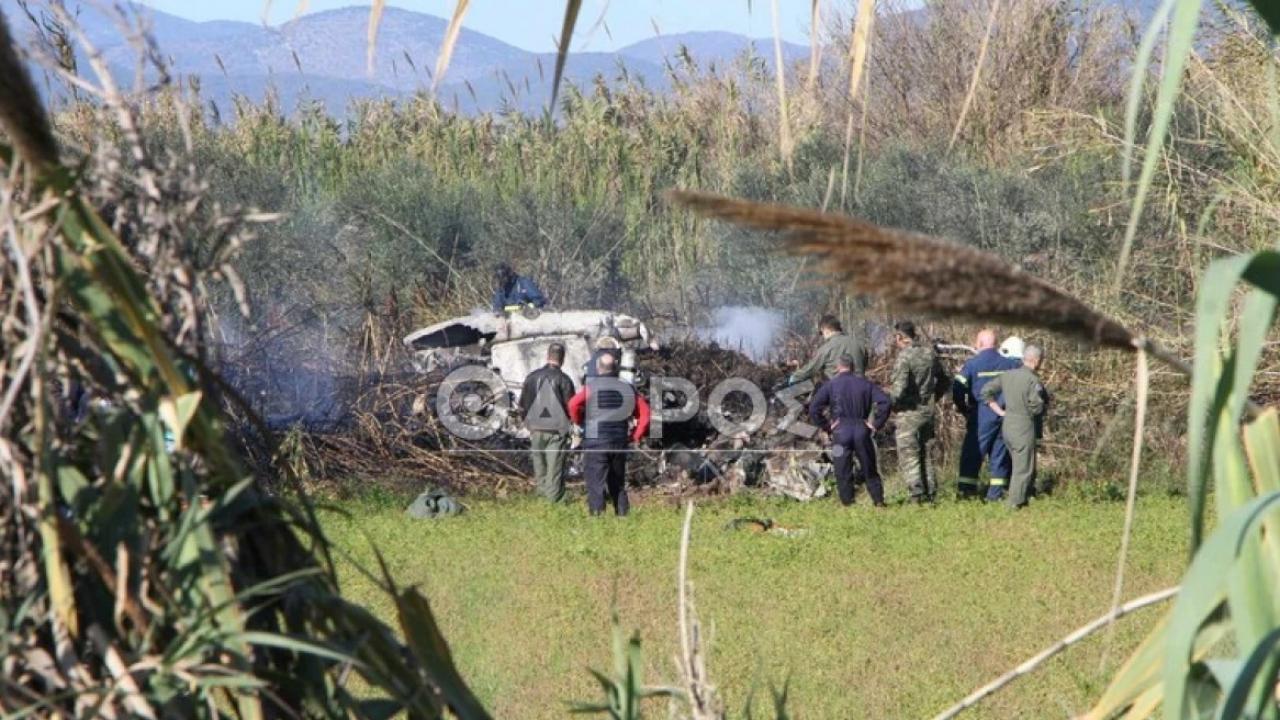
pixel 322 56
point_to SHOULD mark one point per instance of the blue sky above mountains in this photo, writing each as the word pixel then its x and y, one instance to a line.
pixel 531 24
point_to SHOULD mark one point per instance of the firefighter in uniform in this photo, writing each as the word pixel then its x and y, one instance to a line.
pixel 1024 404
pixel 982 439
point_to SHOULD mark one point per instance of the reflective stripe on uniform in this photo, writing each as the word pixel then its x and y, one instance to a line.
pixel 998 482
pixel 967 481
pixel 962 379
pixel 512 308
pixel 991 373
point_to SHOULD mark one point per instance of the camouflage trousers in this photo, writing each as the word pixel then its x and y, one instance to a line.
pixel 914 432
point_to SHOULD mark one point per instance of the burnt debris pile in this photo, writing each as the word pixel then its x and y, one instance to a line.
pixel 377 430
pixel 351 432
pixel 707 366
pixel 734 440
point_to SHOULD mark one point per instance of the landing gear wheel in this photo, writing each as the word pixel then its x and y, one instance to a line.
pixel 473 403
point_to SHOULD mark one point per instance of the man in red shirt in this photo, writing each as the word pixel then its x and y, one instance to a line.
pixel 605 408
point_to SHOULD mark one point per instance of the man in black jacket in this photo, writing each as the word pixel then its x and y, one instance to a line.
pixel 544 401
pixel 850 397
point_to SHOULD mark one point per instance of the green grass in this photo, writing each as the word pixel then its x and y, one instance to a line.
pixel 871 614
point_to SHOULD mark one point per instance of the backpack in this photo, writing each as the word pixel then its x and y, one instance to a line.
pixel 432 504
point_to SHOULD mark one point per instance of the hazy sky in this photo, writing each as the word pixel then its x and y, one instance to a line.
pixel 531 24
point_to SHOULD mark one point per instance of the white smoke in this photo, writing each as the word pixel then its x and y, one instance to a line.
pixel 753 330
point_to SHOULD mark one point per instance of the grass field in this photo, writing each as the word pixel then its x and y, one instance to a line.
pixel 889 614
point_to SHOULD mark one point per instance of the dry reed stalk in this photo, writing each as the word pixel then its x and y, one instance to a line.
pixel 918 273
pixel 34 318
pixel 859 48
pixel 375 18
pixel 111 96
pixel 977 74
pixel 862 145
pixel 571 8
pixel 450 40
pixel 1142 384
pixel 704 703
pixel 815 47
pixel 1044 655
pixel 780 75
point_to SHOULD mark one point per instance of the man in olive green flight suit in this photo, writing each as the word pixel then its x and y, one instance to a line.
pixel 917 377
pixel 835 343
pixel 1023 405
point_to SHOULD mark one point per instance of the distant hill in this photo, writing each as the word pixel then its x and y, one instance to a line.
pixel 322 56
pixel 718 47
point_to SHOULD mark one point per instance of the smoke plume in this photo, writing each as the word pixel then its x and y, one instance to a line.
pixel 753 330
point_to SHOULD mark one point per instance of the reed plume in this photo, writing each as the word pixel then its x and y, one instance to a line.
pixel 919 273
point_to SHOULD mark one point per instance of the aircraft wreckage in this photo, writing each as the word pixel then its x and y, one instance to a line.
pixel 692 452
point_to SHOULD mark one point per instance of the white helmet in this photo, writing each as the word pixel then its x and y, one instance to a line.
pixel 1012 347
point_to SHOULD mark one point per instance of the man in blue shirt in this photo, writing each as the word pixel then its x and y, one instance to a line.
pixel 982 438
pixel 513 293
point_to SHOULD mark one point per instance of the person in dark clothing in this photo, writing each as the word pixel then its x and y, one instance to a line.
pixel 512 292
pixel 544 402
pixel 605 407
pixel 849 398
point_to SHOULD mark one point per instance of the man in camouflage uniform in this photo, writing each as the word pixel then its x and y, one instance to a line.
pixel 835 344
pixel 1024 404
pixel 917 376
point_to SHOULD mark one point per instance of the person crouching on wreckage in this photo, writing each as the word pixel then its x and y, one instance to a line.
pixel 513 292
pixel 605 408
pixel 849 398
